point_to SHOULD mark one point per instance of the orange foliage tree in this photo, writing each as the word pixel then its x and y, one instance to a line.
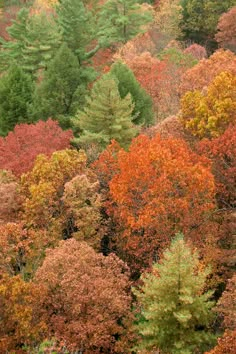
pixel 21 322
pixel 160 188
pixel 226 305
pixel 226 35
pixel 226 344
pixel 209 114
pixel 206 70
pixel 9 197
pixel 19 149
pixel 87 297
pixel 222 151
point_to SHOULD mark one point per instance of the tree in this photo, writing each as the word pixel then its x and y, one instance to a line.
pixel 226 344
pixel 160 187
pixel 16 90
pixel 173 303
pixel 222 152
pixel 34 40
pixel 209 114
pixel 197 51
pixel 80 284
pixel 202 74
pixel 121 20
pixel 54 95
pixel 20 320
pixel 72 16
pixel 106 115
pixel 9 197
pixel 226 305
pixel 143 113
pixel 167 19
pixel 226 33
pixel 19 148
pixel 200 18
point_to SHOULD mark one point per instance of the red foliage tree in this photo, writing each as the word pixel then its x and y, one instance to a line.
pixel 197 51
pixel 226 35
pixel 206 70
pixel 19 149
pixel 9 197
pixel 161 187
pixel 87 297
pixel 222 151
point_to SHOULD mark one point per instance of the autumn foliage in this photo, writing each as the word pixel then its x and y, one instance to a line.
pixel 160 187
pixel 222 151
pixel 202 74
pixel 208 114
pixel 226 35
pixel 19 149
pixel 226 344
pixel 88 310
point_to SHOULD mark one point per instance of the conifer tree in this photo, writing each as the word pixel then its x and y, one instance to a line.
pixel 16 88
pixel 121 20
pixel 175 312
pixel 78 27
pixel 127 83
pixel 106 116
pixel 33 41
pixel 54 95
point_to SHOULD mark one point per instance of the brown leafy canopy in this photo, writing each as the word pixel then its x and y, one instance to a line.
pixel 19 149
pixel 197 51
pixel 87 296
pixel 227 305
pixel 206 70
pixel 9 197
pixel 161 187
pixel 226 35
pixel 20 322
pixel 226 344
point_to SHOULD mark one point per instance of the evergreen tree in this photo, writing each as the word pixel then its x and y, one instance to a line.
pixel 127 83
pixel 78 27
pixel 34 40
pixel 55 94
pixel 106 116
pixel 175 313
pixel 121 20
pixel 16 89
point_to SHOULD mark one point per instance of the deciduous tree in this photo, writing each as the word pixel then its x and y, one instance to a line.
pixel 160 188
pixel 19 148
pixel 209 114
pixel 227 304
pixel 173 303
pixel 226 35
pixel 80 284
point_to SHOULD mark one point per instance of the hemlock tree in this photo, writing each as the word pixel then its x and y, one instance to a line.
pixel 127 83
pixel 33 41
pixel 16 88
pixel 54 95
pixel 106 116
pixel 121 20
pixel 175 313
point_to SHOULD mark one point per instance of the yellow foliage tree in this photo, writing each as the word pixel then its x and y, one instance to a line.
pixel 209 112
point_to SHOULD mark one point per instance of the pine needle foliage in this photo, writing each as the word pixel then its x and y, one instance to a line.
pixel 175 312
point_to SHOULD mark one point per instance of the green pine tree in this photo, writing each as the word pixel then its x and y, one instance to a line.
pixel 33 41
pixel 127 83
pixel 16 88
pixel 106 116
pixel 78 26
pixel 121 20
pixel 175 312
pixel 54 96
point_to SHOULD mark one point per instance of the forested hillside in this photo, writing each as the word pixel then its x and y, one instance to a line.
pixel 118 177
